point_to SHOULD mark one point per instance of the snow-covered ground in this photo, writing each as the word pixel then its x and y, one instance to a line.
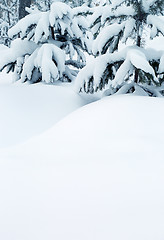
pixel 75 170
pixel 28 110
pixel 93 174
pixel 96 174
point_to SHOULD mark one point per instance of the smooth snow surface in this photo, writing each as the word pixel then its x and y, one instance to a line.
pixel 96 175
pixel 28 110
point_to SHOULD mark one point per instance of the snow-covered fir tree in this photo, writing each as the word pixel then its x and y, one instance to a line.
pixel 41 5
pixel 44 5
pixel 8 17
pixel 49 45
pixel 134 68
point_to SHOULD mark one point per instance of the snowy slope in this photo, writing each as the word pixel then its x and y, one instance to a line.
pixel 28 110
pixel 97 174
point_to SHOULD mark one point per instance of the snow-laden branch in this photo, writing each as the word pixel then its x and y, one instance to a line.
pixel 49 60
pixel 5 8
pixel 129 59
pixel 157 25
pixel 19 48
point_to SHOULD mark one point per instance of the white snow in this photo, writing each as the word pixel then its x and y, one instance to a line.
pixel 59 10
pixel 3 47
pixel 157 43
pixel 129 27
pixel 157 22
pixel 124 11
pixel 161 65
pixel 19 48
pixel 42 27
pixel 44 61
pixel 84 75
pixel 116 3
pixel 132 56
pixel 103 38
pixel 97 174
pixel 28 110
pixel 75 172
pixel 138 59
pixel 22 26
pixel 122 72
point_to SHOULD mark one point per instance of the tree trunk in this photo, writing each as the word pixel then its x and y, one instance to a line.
pixel 22 5
pixel 52 33
pixel 136 70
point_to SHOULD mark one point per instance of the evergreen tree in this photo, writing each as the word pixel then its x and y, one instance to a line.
pixel 134 68
pixel 8 17
pixel 49 45
pixel 44 5
pixel 41 5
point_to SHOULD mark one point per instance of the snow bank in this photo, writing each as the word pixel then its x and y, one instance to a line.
pixel 98 174
pixel 28 110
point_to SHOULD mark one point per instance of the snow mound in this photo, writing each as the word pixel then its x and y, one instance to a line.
pixel 28 110
pixel 97 174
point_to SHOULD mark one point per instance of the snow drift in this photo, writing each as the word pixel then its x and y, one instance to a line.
pixel 97 174
pixel 28 110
